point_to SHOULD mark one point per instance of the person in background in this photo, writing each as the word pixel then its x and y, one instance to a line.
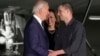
pixel 70 36
pixel 36 41
pixel 52 24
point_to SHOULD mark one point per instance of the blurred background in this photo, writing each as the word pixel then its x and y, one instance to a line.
pixel 14 14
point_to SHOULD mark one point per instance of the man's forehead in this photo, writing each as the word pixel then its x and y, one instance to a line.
pixel 46 5
pixel 61 8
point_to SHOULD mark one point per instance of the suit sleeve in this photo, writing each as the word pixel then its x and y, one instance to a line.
pixel 34 42
pixel 77 40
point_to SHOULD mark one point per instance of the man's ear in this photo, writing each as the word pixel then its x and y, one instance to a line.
pixel 40 11
pixel 68 10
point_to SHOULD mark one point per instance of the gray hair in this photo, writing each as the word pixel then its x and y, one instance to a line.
pixel 38 5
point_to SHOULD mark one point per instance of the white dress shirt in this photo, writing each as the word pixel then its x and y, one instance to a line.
pixel 39 20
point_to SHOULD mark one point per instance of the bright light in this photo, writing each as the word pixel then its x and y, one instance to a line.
pixel 2 40
pixel 94 17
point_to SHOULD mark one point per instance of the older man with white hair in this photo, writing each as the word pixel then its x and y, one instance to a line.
pixel 35 38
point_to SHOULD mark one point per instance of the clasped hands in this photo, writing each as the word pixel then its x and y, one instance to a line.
pixel 56 52
pixel 52 53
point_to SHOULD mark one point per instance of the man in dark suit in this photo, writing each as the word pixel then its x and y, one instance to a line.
pixel 35 38
pixel 70 36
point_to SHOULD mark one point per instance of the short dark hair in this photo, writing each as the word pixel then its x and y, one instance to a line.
pixel 67 5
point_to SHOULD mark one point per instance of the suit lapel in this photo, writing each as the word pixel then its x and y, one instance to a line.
pixel 39 26
pixel 41 30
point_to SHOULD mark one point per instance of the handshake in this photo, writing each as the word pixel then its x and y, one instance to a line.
pixel 56 52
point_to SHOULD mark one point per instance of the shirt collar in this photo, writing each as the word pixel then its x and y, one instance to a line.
pixel 38 19
pixel 71 21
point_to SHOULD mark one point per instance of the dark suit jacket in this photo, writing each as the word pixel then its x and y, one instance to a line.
pixel 71 38
pixel 35 39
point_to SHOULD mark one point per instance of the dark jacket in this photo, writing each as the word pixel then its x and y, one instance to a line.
pixel 71 38
pixel 35 39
